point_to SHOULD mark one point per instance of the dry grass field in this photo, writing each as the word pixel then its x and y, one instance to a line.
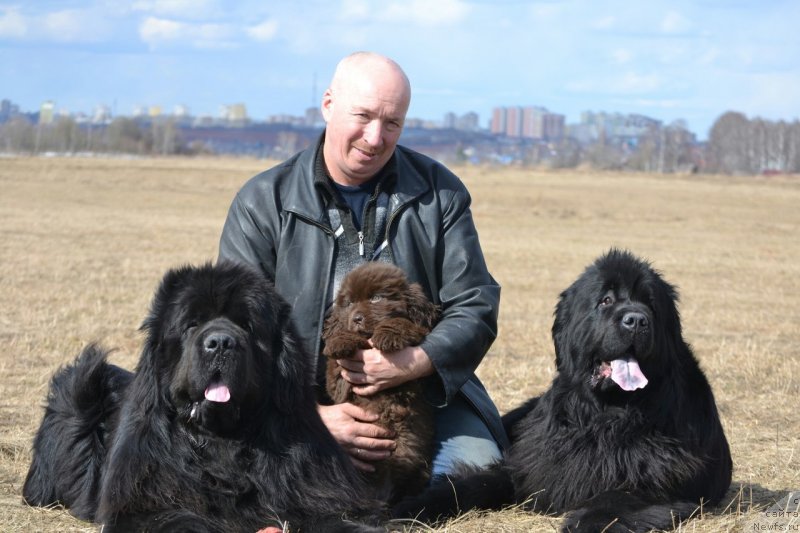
pixel 85 241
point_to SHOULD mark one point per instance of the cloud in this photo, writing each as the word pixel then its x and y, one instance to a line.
pixel 603 23
pixel 182 9
pixel 428 13
pixel 673 22
pixel 263 32
pixel 158 32
pixel 628 83
pixel 67 26
pixel 12 23
pixel 155 30
pixel 416 12
pixel 354 10
pixel 622 56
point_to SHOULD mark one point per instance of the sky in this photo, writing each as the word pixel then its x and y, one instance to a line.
pixel 670 60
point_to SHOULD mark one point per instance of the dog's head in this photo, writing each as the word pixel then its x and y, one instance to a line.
pixel 216 348
pixel 375 292
pixel 616 327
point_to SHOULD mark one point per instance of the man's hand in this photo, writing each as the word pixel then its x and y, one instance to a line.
pixel 355 431
pixel 372 370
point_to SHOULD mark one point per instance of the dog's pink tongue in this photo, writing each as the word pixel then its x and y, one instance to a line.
pixel 627 374
pixel 218 393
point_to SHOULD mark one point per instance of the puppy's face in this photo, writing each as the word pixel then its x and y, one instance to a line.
pixel 370 294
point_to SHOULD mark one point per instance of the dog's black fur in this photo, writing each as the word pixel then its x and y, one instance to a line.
pixel 614 460
pixel 158 450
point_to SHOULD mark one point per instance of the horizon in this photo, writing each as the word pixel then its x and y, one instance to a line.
pixel 670 61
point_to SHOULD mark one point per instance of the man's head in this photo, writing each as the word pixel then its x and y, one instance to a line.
pixel 364 108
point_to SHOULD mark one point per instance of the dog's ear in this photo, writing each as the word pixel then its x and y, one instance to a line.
pixel 561 327
pixel 332 324
pixel 141 439
pixel 293 374
pixel 420 309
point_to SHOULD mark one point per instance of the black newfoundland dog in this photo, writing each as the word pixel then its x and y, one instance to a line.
pixel 628 437
pixel 217 430
pixel 377 302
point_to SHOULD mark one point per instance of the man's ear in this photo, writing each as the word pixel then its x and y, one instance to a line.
pixel 327 104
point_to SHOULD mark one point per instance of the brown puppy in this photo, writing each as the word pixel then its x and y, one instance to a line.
pixel 377 302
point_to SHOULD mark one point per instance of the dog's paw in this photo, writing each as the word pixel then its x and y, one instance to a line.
pixel 388 341
pixel 343 346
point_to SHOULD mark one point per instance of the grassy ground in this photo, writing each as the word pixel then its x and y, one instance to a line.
pixel 85 241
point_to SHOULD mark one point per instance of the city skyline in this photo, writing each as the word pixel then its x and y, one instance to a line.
pixel 677 60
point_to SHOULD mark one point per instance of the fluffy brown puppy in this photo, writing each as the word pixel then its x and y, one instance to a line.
pixel 377 302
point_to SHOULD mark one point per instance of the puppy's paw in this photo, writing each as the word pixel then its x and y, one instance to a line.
pixel 343 346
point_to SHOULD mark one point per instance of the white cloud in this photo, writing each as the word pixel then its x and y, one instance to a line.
pixel 64 26
pixel 417 12
pixel 354 10
pixel 622 56
pixel 603 23
pixel 184 9
pixel 158 31
pixel 632 83
pixel 12 23
pixel 265 31
pixel 708 57
pixel 155 30
pixel 67 26
pixel 628 83
pixel 674 22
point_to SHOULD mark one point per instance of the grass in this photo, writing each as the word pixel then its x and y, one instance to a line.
pixel 85 241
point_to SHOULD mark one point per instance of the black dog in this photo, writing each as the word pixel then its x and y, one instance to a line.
pixel 217 430
pixel 628 437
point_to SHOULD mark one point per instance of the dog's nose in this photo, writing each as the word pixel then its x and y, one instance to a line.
pixel 357 318
pixel 218 342
pixel 634 321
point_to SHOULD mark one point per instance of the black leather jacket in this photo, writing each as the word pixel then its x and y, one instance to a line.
pixel 278 221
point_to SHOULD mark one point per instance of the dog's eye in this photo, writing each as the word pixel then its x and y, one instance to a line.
pixel 376 298
pixel 605 301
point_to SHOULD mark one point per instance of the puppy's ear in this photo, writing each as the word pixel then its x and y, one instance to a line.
pixel 420 309
pixel 333 323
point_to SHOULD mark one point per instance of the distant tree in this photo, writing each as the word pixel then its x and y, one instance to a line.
pixel 166 137
pixel 568 153
pixel 17 136
pixel 792 147
pixel 728 144
pixel 124 135
pixel 603 155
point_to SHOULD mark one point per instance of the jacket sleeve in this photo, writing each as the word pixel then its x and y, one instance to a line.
pixel 469 299
pixel 246 237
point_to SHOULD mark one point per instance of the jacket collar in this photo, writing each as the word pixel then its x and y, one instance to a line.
pixel 303 197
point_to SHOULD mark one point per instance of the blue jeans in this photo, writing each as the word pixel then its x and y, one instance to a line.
pixel 461 436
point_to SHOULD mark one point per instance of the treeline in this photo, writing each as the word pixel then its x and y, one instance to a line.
pixel 739 145
pixel 122 135
pixel 736 145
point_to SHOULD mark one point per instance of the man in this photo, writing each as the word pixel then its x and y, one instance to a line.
pixel 357 196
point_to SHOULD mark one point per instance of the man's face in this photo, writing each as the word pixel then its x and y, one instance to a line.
pixel 364 112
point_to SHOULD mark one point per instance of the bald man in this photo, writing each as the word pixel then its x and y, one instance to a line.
pixel 357 196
